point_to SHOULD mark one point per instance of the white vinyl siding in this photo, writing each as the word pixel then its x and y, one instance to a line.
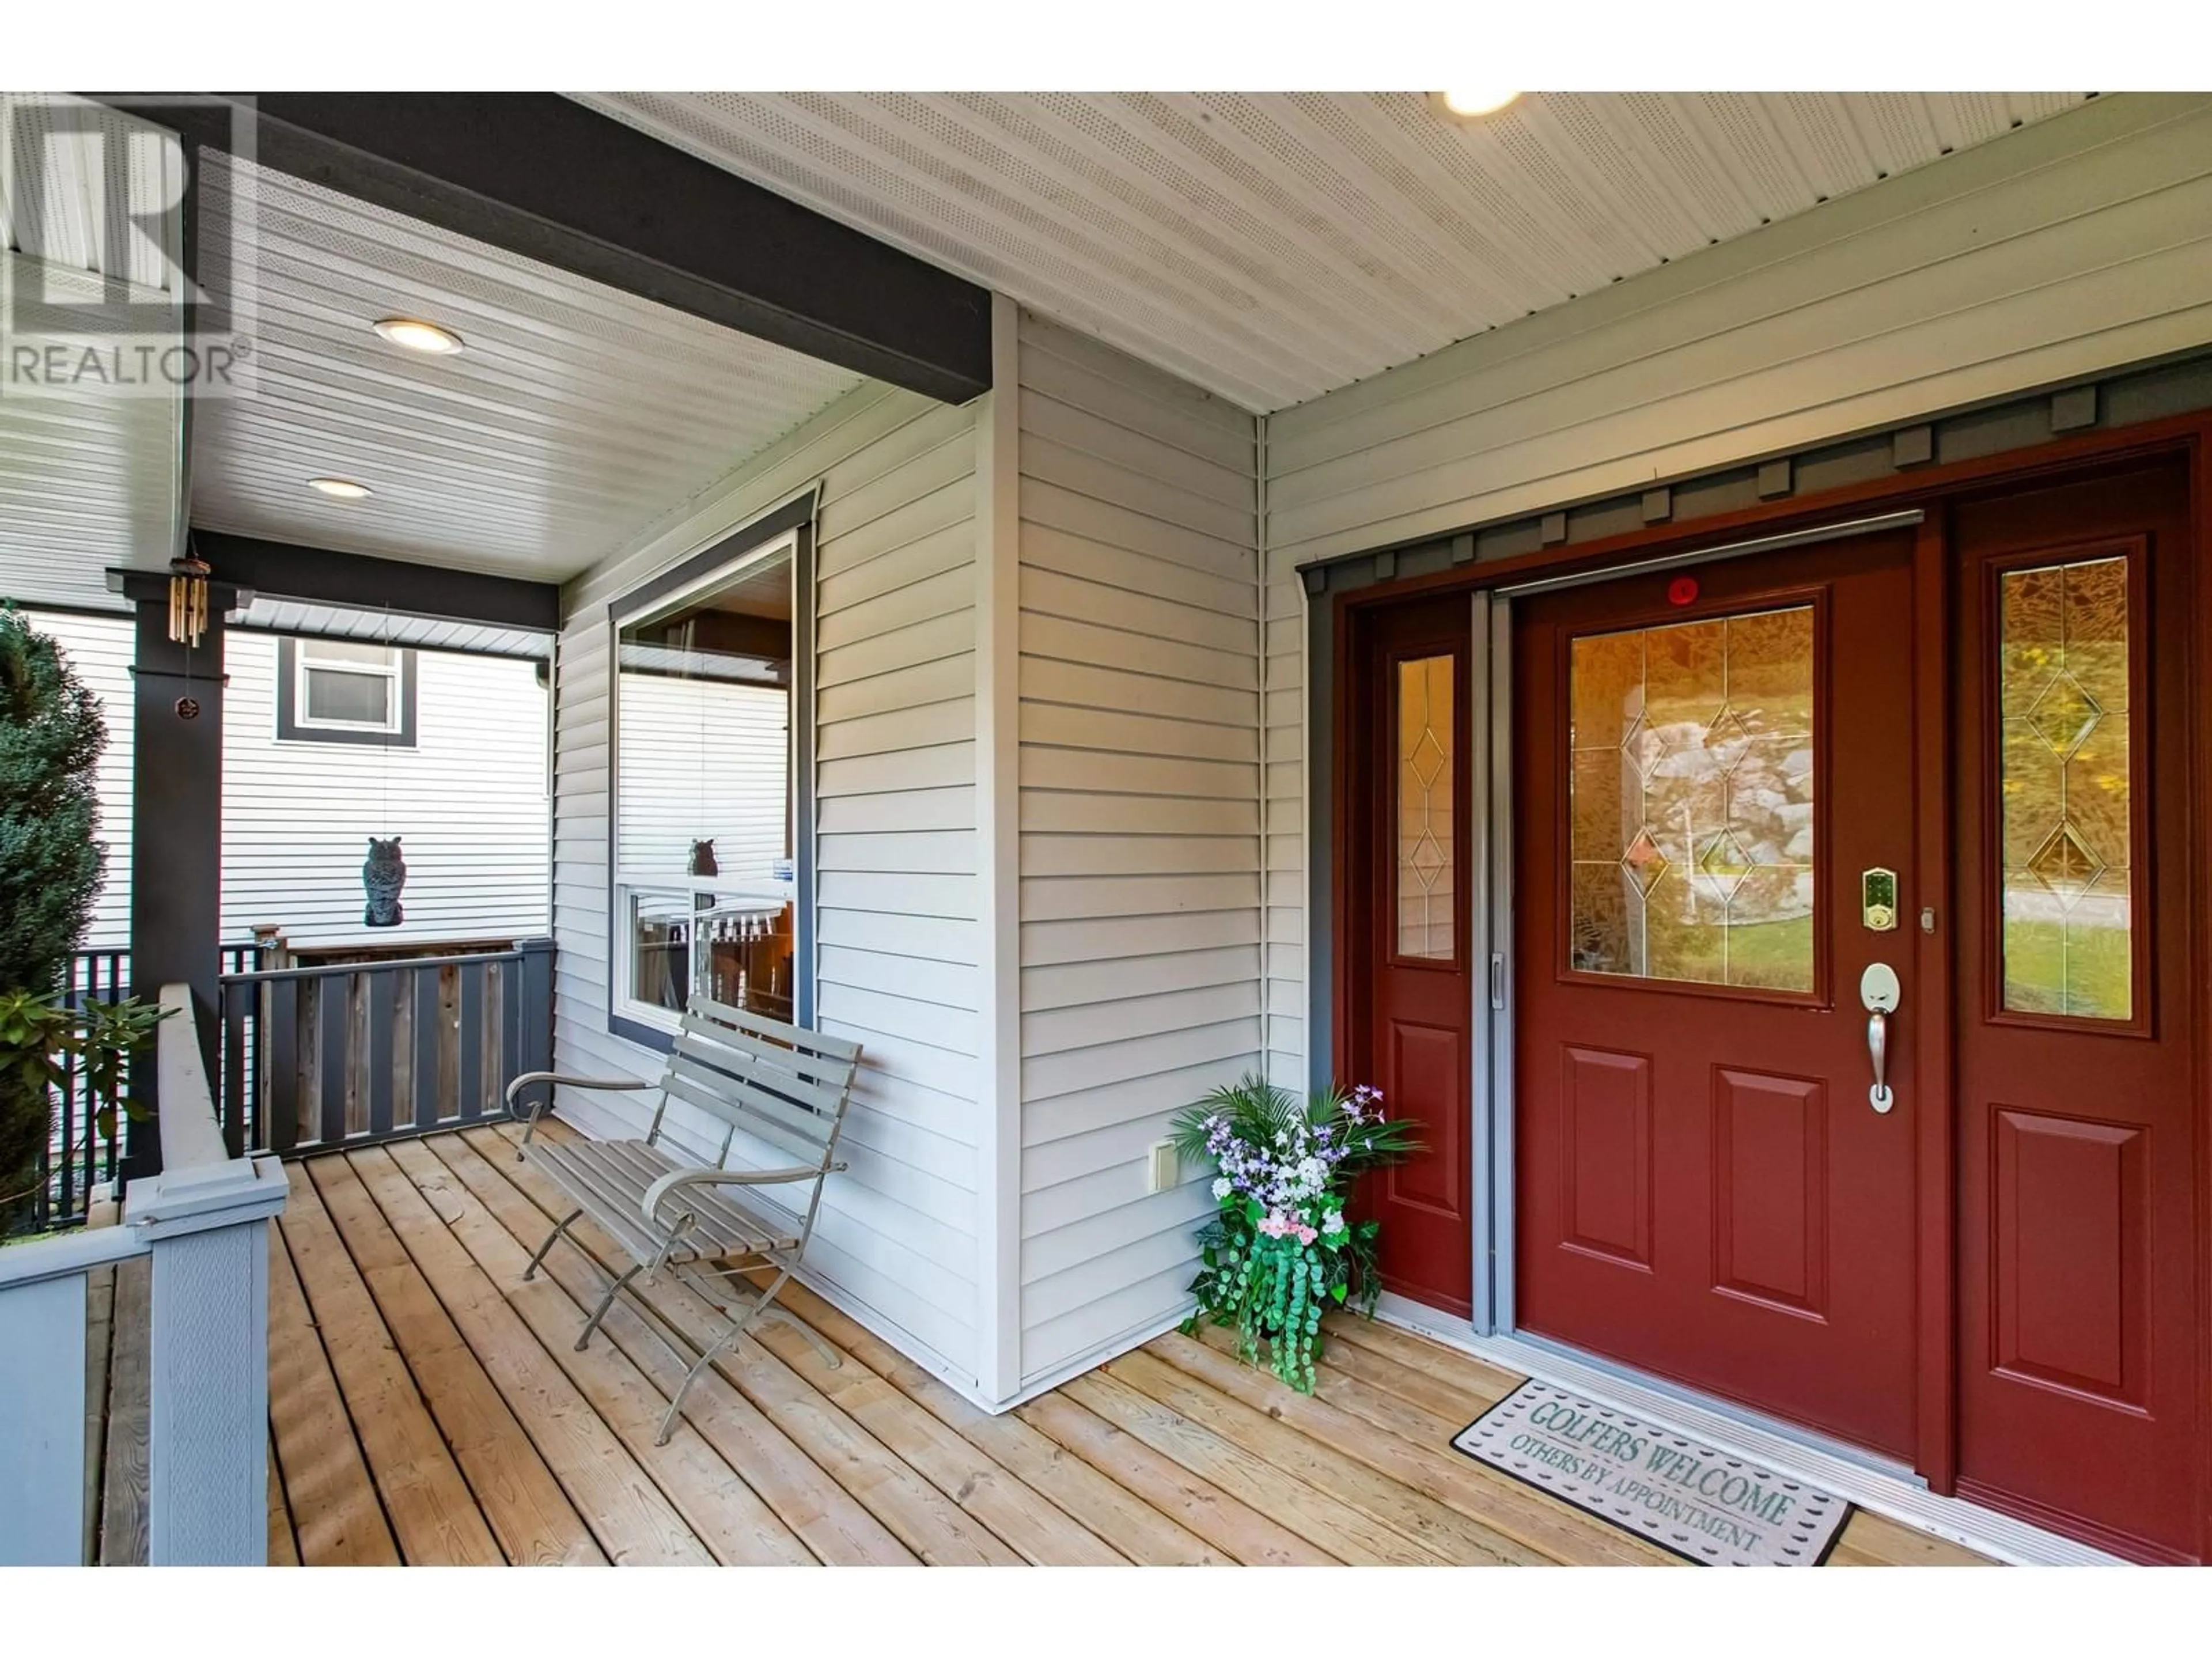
pixel 100 649
pixel 896 884
pixel 2079 245
pixel 1139 823
pixel 468 800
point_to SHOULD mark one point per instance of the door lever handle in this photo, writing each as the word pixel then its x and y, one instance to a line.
pixel 1879 993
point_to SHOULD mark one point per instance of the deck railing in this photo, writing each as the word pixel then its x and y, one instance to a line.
pixel 357 1052
pixel 75 1158
pixel 204 1221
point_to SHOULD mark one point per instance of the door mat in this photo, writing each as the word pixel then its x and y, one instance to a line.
pixel 1684 1496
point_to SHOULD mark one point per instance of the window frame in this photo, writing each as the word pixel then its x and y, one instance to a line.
pixel 791 526
pixel 296 725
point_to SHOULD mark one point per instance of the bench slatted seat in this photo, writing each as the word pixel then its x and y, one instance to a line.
pixel 781 1085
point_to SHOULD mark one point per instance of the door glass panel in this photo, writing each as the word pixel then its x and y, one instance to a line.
pixel 1690 789
pixel 1427 908
pixel 2064 785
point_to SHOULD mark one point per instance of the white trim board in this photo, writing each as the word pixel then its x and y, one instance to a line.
pixel 1898 1496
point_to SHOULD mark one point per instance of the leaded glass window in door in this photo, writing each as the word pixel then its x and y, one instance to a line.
pixel 1427 902
pixel 2065 782
pixel 1691 787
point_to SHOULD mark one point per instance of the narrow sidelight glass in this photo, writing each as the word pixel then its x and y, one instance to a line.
pixel 1427 903
pixel 2064 786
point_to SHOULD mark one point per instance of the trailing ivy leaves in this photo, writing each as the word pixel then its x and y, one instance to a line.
pixel 1280 1251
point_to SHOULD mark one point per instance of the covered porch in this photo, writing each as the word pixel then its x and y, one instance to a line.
pixel 427 1407
pixel 1041 608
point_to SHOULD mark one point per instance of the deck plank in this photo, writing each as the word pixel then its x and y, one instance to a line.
pixel 1325 1462
pixel 917 1514
pixel 619 1503
pixel 1522 1520
pixel 399 1323
pixel 130 1380
pixel 826 1518
pixel 1130 1525
pixel 318 1463
pixel 433 1514
pixel 1886 1543
pixel 284 1547
pixel 715 1502
pixel 1227 1523
pixel 1031 1525
pixel 98 1342
pixel 1323 1520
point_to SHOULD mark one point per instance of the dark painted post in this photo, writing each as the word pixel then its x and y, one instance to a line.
pixel 176 821
pixel 535 993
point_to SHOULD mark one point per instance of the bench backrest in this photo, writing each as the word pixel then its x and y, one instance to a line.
pixel 782 1084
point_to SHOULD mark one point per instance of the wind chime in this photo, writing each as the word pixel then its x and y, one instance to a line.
pixel 188 598
pixel 188 618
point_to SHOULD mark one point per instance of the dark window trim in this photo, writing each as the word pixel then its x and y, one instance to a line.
pixel 794 517
pixel 288 728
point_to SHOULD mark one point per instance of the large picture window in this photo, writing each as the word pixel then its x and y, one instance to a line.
pixel 707 828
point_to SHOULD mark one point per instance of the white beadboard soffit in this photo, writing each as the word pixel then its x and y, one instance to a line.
pixel 88 479
pixel 1272 246
pixel 576 415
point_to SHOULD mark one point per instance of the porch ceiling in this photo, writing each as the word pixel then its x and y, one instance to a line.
pixel 575 417
pixel 1272 246
pixel 88 478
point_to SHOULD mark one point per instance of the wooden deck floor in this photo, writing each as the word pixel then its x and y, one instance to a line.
pixel 427 1406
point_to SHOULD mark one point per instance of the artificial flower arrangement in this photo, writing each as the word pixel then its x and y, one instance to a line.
pixel 1280 1251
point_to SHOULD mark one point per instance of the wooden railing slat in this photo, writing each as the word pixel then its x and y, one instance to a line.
pixel 469 1074
pixel 334 1021
pixel 283 1038
pixel 429 1030
pixel 382 1056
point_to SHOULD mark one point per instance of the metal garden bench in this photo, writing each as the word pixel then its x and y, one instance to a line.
pixel 780 1084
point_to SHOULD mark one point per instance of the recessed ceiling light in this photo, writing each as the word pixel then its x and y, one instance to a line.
pixel 1468 105
pixel 345 488
pixel 413 334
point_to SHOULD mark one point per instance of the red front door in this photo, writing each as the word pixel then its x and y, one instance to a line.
pixel 1714 827
pixel 1409 1018
pixel 2080 1110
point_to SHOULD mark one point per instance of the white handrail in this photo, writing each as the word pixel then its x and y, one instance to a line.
pixel 204 1219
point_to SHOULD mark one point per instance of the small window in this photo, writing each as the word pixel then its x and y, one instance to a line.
pixel 706 791
pixel 345 692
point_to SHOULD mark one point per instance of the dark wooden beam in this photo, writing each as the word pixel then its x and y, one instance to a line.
pixel 542 176
pixel 322 575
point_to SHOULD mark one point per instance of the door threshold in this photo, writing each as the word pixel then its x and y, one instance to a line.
pixel 1882 1488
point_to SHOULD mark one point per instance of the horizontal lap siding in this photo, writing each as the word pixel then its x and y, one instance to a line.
pixel 2073 246
pixel 894 818
pixel 467 800
pixel 1140 852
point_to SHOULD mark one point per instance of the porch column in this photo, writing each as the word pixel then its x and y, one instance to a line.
pixel 176 819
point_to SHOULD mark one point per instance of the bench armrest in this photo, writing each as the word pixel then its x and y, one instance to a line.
pixel 649 1206
pixel 516 1087
pixel 530 1124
